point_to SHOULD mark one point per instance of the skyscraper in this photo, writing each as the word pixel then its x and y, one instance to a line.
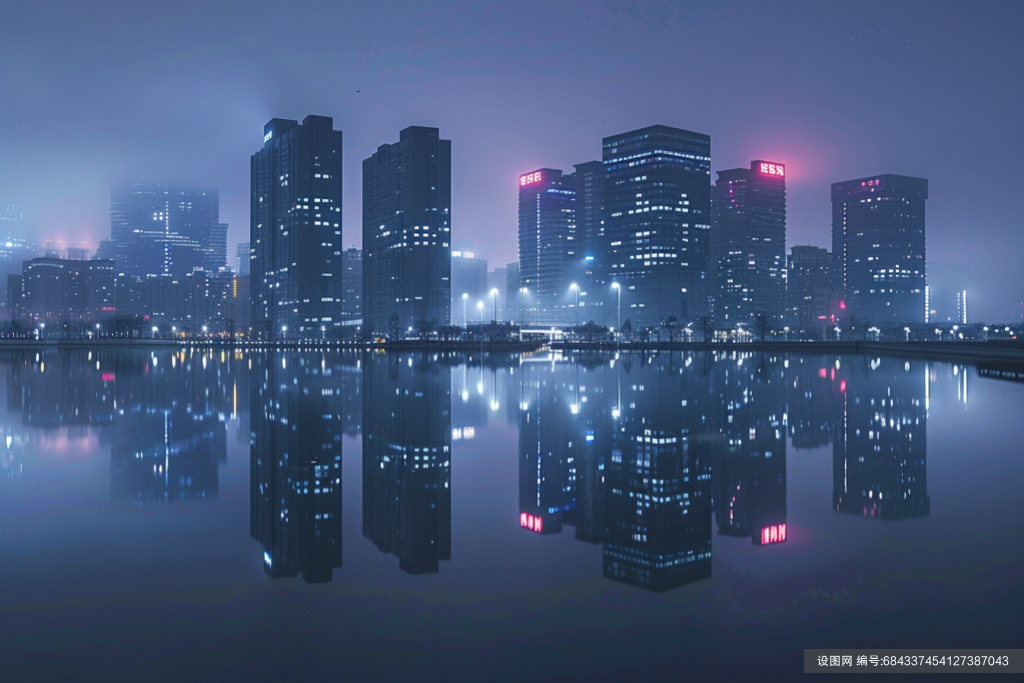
pixel 352 285
pixel 469 286
pixel 547 244
pixel 878 243
pixel 242 258
pixel 160 230
pixel 657 199
pixel 748 245
pixel 591 270
pixel 810 291
pixel 407 233
pixel 295 230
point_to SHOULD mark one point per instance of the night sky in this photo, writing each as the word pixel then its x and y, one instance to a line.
pixel 103 92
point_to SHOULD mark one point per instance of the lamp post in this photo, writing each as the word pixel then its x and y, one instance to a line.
pixel 465 316
pixel 522 309
pixel 284 332
pixel 494 295
pixel 618 304
pixel 480 308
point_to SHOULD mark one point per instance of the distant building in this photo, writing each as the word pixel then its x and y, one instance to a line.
pixel 498 279
pixel 657 204
pixel 811 291
pixel 352 284
pixel 748 245
pixel 407 234
pixel 878 243
pixel 242 258
pixel 961 307
pixel 295 230
pixel 62 291
pixel 591 272
pixel 547 245
pixel 469 286
pixel 514 297
pixel 161 230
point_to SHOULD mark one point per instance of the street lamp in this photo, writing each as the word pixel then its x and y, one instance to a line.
pixel 480 308
pixel 494 295
pixel 284 331
pixel 522 310
pixel 618 306
pixel 154 331
pixel 465 317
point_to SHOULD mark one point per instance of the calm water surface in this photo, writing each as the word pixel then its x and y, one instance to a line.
pixel 173 515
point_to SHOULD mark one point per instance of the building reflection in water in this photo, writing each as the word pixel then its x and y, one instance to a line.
pixel 295 462
pixel 750 468
pixel 617 448
pixel 879 451
pixel 162 412
pixel 407 432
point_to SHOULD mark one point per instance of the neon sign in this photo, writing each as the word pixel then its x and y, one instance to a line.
pixel 872 183
pixel 270 134
pixel 530 178
pixel 768 168
pixel 775 533
pixel 531 522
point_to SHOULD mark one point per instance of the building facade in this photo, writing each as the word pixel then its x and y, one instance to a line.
pixel 547 245
pixel 811 291
pixel 295 230
pixel 469 288
pixel 352 285
pixel 748 246
pixel 657 204
pixel 878 243
pixel 407 234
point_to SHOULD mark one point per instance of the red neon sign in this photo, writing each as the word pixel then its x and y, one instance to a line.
pixel 871 183
pixel 776 533
pixel 768 168
pixel 531 522
pixel 108 377
pixel 530 178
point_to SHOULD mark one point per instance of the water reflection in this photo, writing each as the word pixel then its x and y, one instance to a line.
pixel 162 413
pixel 407 432
pixel 295 463
pixel 879 452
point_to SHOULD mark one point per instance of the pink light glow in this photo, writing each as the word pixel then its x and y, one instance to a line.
pixel 530 178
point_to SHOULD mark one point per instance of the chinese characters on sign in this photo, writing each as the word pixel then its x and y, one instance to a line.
pixel 531 522
pixel 772 169
pixel 530 178
pixel 776 533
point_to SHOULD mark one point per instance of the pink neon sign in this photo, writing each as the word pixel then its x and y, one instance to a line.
pixel 530 178
pixel 768 168
pixel 531 522
pixel 775 533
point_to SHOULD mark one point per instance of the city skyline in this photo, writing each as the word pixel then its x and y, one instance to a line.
pixel 824 118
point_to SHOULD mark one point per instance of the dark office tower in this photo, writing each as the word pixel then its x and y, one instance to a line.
pixel 879 452
pixel 657 199
pixel 295 230
pixel 295 464
pixel 547 245
pixel 590 244
pixel 160 230
pixel 352 285
pixel 811 292
pixel 469 288
pixel 407 196
pixel 748 246
pixel 658 478
pixel 407 431
pixel 878 243
pixel 242 258
pixel 515 299
pixel 750 468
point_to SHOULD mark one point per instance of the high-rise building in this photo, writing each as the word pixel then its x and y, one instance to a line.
pixel 810 291
pixel 657 204
pixel 748 246
pixel 591 271
pixel 878 243
pixel 961 307
pixel 407 234
pixel 295 230
pixel 352 285
pixel 162 230
pixel 547 244
pixel 70 292
pixel 515 298
pixel 469 287
pixel 242 258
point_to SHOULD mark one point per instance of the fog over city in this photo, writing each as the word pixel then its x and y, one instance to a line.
pixel 105 93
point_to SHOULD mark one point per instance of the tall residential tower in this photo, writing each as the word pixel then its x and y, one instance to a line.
pixel 295 230
pixel 407 234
